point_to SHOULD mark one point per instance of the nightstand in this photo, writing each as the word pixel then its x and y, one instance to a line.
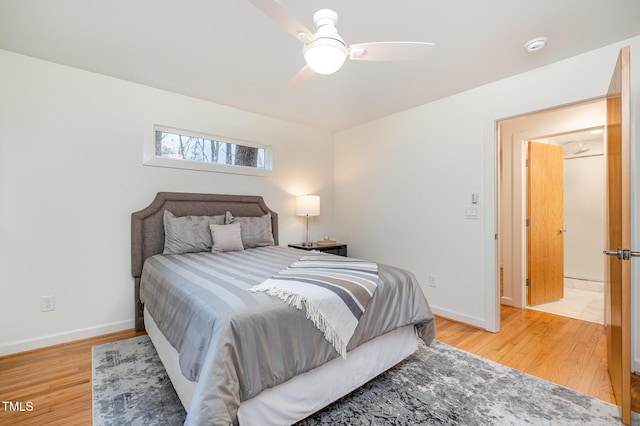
pixel 338 248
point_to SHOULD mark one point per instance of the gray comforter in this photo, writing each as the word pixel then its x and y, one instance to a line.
pixel 235 343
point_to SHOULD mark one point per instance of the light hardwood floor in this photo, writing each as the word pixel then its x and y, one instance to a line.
pixel 57 380
pixel 562 350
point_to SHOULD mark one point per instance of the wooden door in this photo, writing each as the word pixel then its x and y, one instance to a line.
pixel 545 225
pixel 617 268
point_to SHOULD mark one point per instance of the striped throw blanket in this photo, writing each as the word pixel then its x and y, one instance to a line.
pixel 334 290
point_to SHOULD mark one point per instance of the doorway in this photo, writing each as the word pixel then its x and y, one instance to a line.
pixel 583 226
pixel 618 275
pixel 556 126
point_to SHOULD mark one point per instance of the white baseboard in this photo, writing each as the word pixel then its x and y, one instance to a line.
pixel 65 337
pixel 456 316
pixel 506 301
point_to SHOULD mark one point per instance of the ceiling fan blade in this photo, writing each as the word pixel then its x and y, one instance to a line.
pixel 301 78
pixel 390 51
pixel 285 18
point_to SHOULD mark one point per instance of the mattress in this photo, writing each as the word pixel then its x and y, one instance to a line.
pixel 235 344
pixel 307 393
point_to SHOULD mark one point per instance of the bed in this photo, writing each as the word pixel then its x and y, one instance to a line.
pixel 261 362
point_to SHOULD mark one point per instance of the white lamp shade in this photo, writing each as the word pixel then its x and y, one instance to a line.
pixel 308 205
pixel 325 55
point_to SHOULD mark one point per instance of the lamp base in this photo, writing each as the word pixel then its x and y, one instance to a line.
pixel 307 244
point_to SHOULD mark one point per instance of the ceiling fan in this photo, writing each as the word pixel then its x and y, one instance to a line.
pixel 325 51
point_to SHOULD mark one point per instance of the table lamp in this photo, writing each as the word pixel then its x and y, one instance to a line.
pixel 308 205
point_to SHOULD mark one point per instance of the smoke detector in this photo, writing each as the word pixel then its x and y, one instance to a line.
pixel 535 44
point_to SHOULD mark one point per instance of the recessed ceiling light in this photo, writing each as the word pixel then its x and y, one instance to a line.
pixel 536 44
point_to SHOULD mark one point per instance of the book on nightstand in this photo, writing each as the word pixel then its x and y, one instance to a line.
pixel 326 243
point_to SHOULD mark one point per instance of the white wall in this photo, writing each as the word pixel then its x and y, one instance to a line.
pixel 402 182
pixel 71 174
pixel 584 217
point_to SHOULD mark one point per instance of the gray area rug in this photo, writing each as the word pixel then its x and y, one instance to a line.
pixel 438 385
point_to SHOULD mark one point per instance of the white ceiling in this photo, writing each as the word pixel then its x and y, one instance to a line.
pixel 584 143
pixel 228 52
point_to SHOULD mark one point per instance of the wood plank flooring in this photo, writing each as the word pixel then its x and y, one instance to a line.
pixel 562 350
pixel 57 380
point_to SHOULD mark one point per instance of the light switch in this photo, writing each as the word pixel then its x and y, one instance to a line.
pixel 475 198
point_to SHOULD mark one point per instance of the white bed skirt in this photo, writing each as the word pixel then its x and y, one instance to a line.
pixel 307 393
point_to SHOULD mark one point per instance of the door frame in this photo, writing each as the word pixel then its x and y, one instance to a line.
pixel 562 119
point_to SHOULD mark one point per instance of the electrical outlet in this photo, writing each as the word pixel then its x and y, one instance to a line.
pixel 47 303
pixel 433 281
pixel 471 213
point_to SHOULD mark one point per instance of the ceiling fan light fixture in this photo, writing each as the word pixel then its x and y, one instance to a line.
pixel 325 55
pixel 325 51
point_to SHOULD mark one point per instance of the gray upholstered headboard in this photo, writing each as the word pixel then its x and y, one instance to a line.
pixel 147 227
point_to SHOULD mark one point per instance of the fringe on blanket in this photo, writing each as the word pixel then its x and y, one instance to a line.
pixel 298 301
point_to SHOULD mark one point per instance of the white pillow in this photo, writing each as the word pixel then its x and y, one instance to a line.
pixel 226 237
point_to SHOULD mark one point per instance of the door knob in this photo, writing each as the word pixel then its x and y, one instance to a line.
pixel 616 253
pixel 624 254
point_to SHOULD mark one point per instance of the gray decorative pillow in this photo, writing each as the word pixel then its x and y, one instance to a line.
pixel 226 237
pixel 188 234
pixel 255 231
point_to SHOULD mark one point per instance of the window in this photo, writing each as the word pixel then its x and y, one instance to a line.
pixel 193 148
pixel 186 149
